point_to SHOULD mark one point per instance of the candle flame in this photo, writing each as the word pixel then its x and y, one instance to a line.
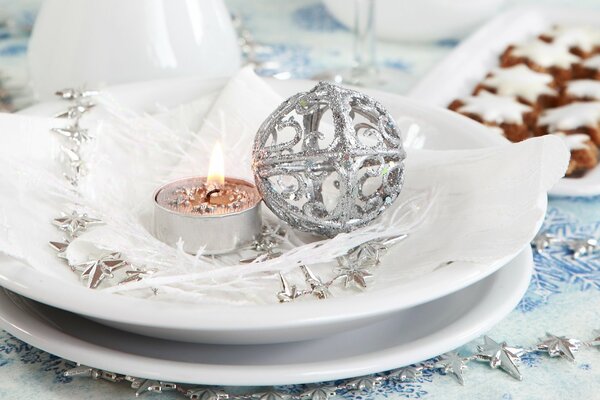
pixel 216 168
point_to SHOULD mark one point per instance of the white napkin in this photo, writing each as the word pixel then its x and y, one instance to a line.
pixel 484 203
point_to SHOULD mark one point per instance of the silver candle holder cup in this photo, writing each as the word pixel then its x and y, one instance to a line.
pixel 213 219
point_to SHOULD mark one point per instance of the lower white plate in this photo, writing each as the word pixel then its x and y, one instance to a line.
pixel 459 72
pixel 406 337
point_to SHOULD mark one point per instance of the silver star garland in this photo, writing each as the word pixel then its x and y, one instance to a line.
pixel 75 223
pixel 498 354
pixel 353 270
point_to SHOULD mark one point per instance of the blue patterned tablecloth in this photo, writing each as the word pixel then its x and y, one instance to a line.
pixel 564 296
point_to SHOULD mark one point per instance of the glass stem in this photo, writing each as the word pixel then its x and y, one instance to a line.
pixel 364 38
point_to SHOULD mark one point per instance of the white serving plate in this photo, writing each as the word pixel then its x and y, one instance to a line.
pixel 464 67
pixel 268 323
pixel 406 337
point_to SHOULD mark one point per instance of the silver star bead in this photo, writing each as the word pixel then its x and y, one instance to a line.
pixel 143 386
pixel 542 241
pixel 405 374
pixel 499 355
pixel 83 370
pixel 136 274
pixel 76 111
pixel 559 346
pixel 453 364
pixel 73 160
pixel 73 94
pixel 60 248
pixel 96 271
pixel 319 393
pixel 266 244
pixel 596 341
pixel 206 394
pixel 370 253
pixel 318 288
pixel 75 223
pixel 364 383
pixel 583 247
pixel 75 133
pixel 270 395
pixel 268 239
pixel 351 273
pixel 288 292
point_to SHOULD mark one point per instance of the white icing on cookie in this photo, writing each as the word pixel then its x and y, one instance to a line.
pixel 584 88
pixel 521 81
pixel 494 108
pixel 572 116
pixel 496 129
pixel 575 141
pixel 592 62
pixel 545 54
pixel 584 37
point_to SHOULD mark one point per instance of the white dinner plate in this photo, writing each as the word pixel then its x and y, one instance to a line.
pixel 265 323
pixel 465 66
pixel 404 338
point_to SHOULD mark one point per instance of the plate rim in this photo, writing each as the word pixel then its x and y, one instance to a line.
pixel 306 372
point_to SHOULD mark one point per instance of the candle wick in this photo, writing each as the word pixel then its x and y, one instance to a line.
pixel 211 192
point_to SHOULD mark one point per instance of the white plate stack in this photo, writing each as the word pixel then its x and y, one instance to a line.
pixel 300 342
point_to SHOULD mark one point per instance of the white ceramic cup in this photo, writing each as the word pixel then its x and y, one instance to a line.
pixel 94 43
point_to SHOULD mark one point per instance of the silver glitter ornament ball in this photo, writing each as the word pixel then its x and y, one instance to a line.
pixel 329 160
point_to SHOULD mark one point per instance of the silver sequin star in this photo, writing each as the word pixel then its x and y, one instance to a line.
pixel 206 394
pixel 75 133
pixel 318 288
pixel 453 364
pixel 82 370
pixel 270 395
pixel 60 248
pixel 559 346
pixel 370 253
pixel 75 223
pixel 319 393
pixel 499 355
pixel 74 94
pixel 95 271
pixel 143 386
pixel 136 274
pixel 288 292
pixel 364 383
pixel 351 272
pixel 583 247
pixel 542 241
pixel 75 111
pixel 405 374
pixel 596 341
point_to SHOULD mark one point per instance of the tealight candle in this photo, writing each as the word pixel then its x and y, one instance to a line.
pixel 216 214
